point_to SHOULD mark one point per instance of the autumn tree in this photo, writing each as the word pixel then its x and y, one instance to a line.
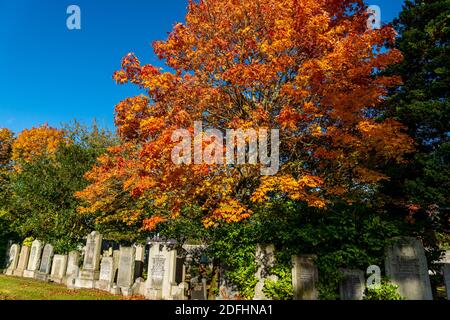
pixel 308 68
pixel 52 167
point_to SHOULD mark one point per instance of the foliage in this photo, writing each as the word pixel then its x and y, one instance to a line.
pixel 418 190
pixel 280 289
pixel 307 68
pixel 385 291
pixel 43 204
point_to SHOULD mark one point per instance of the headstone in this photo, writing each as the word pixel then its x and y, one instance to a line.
pixel 139 261
pixel 34 260
pixel 90 271
pixel 125 276
pixel 352 286
pixel 406 266
pixel 14 251
pixel 446 272
pixel 227 289
pixel 72 268
pixel 23 261
pixel 265 259
pixel 106 278
pixel 304 277
pixel 161 272
pixel 59 268
pixel 46 263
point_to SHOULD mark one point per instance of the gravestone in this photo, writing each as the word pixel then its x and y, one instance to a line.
pixel 139 261
pixel 59 268
pixel 23 261
pixel 446 272
pixel 125 275
pixel 73 268
pixel 34 260
pixel 265 259
pixel 161 272
pixel 304 277
pixel 227 289
pixel 90 271
pixel 352 286
pixel 13 260
pixel 46 263
pixel 406 266
pixel 106 278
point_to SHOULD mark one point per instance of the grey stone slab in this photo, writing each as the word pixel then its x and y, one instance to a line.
pixel 125 276
pixel 265 259
pixel 23 261
pixel 353 285
pixel 13 260
pixel 305 277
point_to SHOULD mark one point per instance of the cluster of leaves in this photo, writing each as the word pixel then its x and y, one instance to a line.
pixel 47 166
pixel 385 291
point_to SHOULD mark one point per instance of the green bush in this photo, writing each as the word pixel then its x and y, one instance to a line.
pixel 386 291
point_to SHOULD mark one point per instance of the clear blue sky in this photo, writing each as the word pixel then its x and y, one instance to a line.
pixel 51 74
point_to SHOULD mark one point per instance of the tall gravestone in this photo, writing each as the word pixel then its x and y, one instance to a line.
pixel 46 263
pixel 106 278
pixel 73 268
pixel 125 276
pixel 90 271
pixel 406 266
pixel 139 261
pixel 352 286
pixel 304 277
pixel 265 259
pixel 13 260
pixel 161 272
pixel 446 272
pixel 59 268
pixel 23 261
pixel 34 260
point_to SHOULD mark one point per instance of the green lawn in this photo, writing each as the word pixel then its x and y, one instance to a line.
pixel 14 288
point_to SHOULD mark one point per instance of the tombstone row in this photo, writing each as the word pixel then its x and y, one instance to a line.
pixel 405 265
pixel 168 276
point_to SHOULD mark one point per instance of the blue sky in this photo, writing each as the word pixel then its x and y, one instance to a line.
pixel 50 74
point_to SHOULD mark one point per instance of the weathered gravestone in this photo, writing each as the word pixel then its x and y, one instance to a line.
pixel 13 259
pixel 304 277
pixel 125 275
pixel 23 261
pixel 406 266
pixel 265 259
pixel 34 260
pixel 446 272
pixel 59 267
pixel 106 278
pixel 90 271
pixel 46 263
pixel 161 272
pixel 139 261
pixel 73 268
pixel 352 286
pixel 227 289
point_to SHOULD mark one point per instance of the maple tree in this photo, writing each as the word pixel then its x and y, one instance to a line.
pixel 309 68
pixel 33 143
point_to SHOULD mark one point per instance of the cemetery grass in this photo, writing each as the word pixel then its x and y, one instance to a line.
pixel 14 288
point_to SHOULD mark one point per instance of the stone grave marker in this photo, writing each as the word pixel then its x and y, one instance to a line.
pixel 406 266
pixel 13 260
pixel 125 275
pixel 46 263
pixel 106 278
pixel 59 268
pixel 161 272
pixel 34 260
pixel 73 268
pixel 353 285
pixel 446 272
pixel 23 261
pixel 90 271
pixel 304 277
pixel 139 261
pixel 265 259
